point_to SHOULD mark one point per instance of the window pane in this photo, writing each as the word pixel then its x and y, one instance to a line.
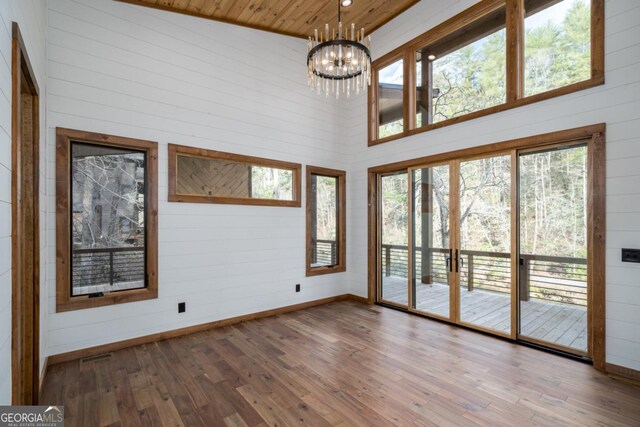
pixel 270 183
pixel 390 84
pixel 557 44
pixel 485 243
pixel 462 72
pixel 394 238
pixel 202 176
pixel 108 230
pixel 324 221
pixel 553 246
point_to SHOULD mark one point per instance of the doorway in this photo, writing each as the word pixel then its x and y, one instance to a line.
pixel 507 239
pixel 25 227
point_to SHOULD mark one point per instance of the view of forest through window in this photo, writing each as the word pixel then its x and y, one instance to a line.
pixel 324 219
pixel 552 220
pixel 108 213
pixel 271 183
pixel 558 46
pixel 472 77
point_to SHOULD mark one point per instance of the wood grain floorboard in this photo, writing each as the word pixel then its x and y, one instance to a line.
pixel 338 364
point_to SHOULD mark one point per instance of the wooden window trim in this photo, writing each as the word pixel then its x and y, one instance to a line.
pixel 595 135
pixel 341 265
pixel 515 66
pixel 64 300
pixel 182 150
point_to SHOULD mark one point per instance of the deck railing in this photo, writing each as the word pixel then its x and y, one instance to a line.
pixel 106 266
pixel 559 279
pixel 324 252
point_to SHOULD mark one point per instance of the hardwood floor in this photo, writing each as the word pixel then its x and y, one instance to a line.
pixel 557 323
pixel 343 363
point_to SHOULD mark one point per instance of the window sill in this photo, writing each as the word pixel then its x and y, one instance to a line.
pixel 120 297
pixel 576 87
pixel 319 271
pixel 189 198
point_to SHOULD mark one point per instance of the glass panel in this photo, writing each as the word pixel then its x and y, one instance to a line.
pixel 324 220
pixel 223 178
pixel 107 226
pixel 431 240
pixel 462 72
pixel 271 183
pixel 390 91
pixel 394 237
pixel 485 243
pixel 553 247
pixel 557 44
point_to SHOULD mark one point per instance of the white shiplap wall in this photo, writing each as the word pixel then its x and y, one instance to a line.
pixel 125 70
pixel 31 17
pixel 617 103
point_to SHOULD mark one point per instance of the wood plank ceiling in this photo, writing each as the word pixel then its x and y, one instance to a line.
pixel 296 18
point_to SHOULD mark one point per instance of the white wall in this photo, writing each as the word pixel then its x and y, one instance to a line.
pixel 30 16
pixel 617 103
pixel 125 70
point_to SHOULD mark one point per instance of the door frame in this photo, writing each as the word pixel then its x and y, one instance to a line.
pixel 595 137
pixel 25 307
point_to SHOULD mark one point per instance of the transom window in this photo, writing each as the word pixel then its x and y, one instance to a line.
pixel 206 176
pixel 496 55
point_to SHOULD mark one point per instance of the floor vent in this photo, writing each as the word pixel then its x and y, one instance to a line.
pixel 96 358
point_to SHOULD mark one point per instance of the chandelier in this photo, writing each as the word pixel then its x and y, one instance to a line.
pixel 340 63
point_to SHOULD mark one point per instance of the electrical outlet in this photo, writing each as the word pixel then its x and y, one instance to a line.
pixel 182 307
pixel 298 287
pixel 631 255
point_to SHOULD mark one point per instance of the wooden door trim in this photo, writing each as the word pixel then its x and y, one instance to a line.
pixel 25 310
pixel 515 245
pixel 596 248
pixel 595 135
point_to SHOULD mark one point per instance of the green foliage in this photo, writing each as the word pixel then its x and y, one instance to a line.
pixel 471 78
pixel 558 55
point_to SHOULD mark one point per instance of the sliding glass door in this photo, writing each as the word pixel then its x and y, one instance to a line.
pixel 553 285
pixel 431 241
pixel 497 243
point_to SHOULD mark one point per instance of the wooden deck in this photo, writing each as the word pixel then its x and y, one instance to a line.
pixel 340 364
pixel 560 324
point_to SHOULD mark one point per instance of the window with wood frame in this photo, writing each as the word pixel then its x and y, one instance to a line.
pixel 197 175
pixel 106 219
pixel 326 221
pixel 496 55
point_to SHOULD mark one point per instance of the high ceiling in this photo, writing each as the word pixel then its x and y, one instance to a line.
pixel 296 18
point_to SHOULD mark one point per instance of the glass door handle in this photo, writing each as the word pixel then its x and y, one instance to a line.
pixel 449 265
pixel 457 262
